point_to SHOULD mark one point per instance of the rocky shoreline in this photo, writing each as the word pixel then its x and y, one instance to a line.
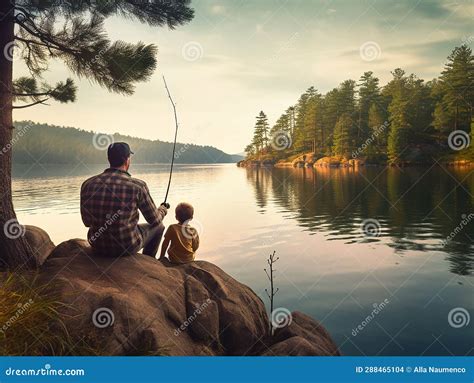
pixel 310 160
pixel 137 305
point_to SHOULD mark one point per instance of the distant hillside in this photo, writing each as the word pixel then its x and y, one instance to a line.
pixel 49 144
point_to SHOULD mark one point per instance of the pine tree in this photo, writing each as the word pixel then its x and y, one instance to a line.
pixel 250 150
pixel 394 119
pixel 442 118
pixel 398 138
pixel 378 130
pixel 331 114
pixel 299 135
pixel 342 136
pixel 72 32
pixel 369 94
pixel 261 133
pixel 458 80
pixel 313 123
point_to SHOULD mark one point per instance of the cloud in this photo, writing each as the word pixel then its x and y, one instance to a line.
pixel 261 55
pixel 218 9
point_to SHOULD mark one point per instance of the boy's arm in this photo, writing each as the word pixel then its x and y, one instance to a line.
pixel 164 247
pixel 195 242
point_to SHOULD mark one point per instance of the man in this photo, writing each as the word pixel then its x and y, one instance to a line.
pixel 110 205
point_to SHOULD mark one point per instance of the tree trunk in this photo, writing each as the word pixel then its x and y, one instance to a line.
pixel 14 250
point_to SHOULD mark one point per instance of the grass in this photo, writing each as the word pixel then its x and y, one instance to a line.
pixel 32 323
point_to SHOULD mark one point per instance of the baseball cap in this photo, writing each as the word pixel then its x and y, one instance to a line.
pixel 118 152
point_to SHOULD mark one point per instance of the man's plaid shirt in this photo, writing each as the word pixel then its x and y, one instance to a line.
pixel 109 208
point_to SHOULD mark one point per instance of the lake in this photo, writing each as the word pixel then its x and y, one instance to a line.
pixel 382 257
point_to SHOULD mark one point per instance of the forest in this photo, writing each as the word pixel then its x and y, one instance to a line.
pixel 48 144
pixel 407 120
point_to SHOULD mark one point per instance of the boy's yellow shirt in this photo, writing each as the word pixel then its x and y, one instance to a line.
pixel 184 241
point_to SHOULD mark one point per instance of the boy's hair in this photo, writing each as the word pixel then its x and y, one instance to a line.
pixel 184 212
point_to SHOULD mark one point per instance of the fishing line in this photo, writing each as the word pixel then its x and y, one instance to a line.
pixel 174 143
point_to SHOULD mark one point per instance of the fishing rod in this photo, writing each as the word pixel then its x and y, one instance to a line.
pixel 174 143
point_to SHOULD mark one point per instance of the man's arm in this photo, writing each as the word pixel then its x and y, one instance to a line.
pixel 148 208
pixel 85 215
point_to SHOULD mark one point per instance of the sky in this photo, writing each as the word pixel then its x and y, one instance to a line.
pixel 237 57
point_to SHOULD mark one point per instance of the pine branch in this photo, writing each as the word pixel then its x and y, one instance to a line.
pixel 32 104
pixel 47 40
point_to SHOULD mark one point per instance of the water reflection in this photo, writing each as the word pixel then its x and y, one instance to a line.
pixel 328 268
pixel 417 208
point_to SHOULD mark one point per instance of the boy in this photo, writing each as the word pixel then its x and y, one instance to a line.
pixel 182 239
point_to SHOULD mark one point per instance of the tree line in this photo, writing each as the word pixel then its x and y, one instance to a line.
pixel 49 144
pixel 382 123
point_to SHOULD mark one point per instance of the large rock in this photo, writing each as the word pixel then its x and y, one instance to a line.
pixel 40 243
pixel 305 160
pixel 137 305
pixel 302 337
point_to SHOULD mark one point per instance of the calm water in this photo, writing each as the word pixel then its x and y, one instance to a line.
pixel 328 267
